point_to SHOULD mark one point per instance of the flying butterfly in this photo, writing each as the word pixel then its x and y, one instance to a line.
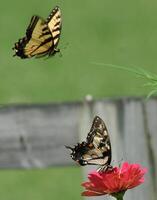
pixel 42 36
pixel 96 150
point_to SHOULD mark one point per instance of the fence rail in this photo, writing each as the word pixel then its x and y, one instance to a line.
pixel 33 136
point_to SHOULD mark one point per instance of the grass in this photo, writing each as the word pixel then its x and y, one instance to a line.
pixel 56 183
pixel 150 78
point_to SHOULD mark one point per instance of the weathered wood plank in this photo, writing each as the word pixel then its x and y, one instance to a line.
pixel 135 145
pixel 34 136
pixel 151 130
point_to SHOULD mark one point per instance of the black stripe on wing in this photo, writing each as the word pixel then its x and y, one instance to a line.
pixel 31 26
pixel 53 12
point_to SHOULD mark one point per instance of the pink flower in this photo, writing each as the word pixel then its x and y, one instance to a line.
pixel 114 181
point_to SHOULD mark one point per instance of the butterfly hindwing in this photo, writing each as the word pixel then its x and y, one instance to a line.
pixel 96 150
pixel 39 39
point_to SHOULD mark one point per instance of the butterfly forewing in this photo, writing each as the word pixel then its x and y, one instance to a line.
pixel 98 134
pixel 55 23
pixel 40 39
pixel 99 137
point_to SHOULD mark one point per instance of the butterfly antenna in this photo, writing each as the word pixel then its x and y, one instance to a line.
pixel 68 147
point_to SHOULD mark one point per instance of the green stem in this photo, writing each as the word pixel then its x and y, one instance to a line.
pixel 119 195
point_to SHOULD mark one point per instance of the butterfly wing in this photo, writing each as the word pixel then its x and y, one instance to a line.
pixel 98 139
pixel 98 133
pixel 96 150
pixel 39 39
pixel 54 22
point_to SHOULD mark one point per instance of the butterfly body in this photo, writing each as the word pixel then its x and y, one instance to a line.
pixel 96 150
pixel 42 36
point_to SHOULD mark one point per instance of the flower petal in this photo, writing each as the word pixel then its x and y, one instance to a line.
pixel 91 193
pixel 113 181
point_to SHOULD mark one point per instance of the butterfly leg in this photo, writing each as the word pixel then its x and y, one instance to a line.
pixel 58 51
pixel 105 168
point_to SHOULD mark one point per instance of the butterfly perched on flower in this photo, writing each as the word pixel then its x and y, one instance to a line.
pixel 42 36
pixel 96 150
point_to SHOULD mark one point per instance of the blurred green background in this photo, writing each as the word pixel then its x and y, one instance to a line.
pixel 106 31
pixel 50 184
pixel 116 32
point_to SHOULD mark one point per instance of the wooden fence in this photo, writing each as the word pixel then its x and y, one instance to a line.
pixel 33 136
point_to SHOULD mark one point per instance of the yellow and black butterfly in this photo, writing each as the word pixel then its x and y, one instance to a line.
pixel 96 150
pixel 42 36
